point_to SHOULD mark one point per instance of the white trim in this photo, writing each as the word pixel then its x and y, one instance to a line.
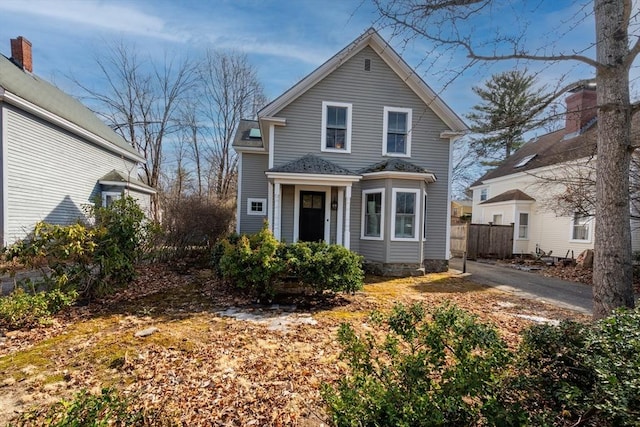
pixel 589 223
pixel 427 177
pixel 364 209
pixel 347 217
pixel 270 205
pixel 128 186
pixel 424 214
pixel 493 215
pixel 423 226
pixel 262 212
pixel 239 194
pixel 66 124
pixel 3 175
pixel 327 209
pixel 116 195
pixel 340 217
pixel 385 128
pixel 272 136
pixel 517 221
pixel 277 210
pixel 313 179
pixel 254 150
pixel 447 249
pixel 416 212
pixel 391 58
pixel 323 140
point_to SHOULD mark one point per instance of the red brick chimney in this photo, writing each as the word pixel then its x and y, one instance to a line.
pixel 21 53
pixel 582 106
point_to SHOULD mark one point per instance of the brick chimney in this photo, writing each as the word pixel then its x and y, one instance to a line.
pixel 21 53
pixel 581 108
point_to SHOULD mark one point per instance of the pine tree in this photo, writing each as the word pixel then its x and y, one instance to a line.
pixel 510 104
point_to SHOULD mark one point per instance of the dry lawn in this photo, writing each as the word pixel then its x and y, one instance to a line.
pixel 263 367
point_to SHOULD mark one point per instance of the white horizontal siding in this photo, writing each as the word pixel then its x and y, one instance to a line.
pixel 51 174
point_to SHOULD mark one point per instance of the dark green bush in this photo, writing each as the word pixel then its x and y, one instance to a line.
pixel 87 410
pixel 259 262
pixel 445 371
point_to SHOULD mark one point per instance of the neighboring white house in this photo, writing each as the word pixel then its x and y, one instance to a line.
pixel 532 188
pixel 57 156
pixel 357 153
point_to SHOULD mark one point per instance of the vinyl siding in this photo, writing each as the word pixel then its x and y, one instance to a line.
pixel 254 185
pixel 369 92
pixel 406 252
pixel 51 173
pixel 287 212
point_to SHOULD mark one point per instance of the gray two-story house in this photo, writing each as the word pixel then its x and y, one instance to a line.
pixel 357 153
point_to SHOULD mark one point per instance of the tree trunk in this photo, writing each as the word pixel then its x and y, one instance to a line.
pixel 612 272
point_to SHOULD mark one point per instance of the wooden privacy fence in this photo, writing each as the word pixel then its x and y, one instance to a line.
pixel 482 240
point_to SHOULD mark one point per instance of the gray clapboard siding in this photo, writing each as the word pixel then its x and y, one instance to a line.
pixel 288 199
pixel 38 188
pixel 369 92
pixel 254 185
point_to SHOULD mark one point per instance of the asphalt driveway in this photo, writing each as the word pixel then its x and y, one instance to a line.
pixel 562 293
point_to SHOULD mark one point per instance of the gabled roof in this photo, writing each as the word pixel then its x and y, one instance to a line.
pixel 550 149
pixel 311 164
pixel 243 138
pixel 508 196
pixel 391 58
pixel 44 99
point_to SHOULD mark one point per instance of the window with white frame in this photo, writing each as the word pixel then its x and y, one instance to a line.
pixel 336 126
pixel 396 137
pixel 404 209
pixel 523 225
pixel 581 228
pixel 484 193
pixel 373 214
pixel 497 219
pixel 108 197
pixel 256 206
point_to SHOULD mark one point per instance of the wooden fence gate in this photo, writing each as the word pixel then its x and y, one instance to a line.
pixel 482 241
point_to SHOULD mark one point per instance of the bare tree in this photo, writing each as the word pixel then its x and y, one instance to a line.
pixel 447 24
pixel 465 168
pixel 229 91
pixel 190 133
pixel 140 101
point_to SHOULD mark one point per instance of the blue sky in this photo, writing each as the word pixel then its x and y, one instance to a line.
pixel 285 40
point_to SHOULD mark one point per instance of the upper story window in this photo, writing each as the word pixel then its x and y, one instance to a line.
pixel 581 228
pixel 396 139
pixel 484 193
pixel 336 127
pixel 404 209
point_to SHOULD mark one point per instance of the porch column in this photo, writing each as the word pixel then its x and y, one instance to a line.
pixel 347 218
pixel 340 217
pixel 276 210
pixel 270 205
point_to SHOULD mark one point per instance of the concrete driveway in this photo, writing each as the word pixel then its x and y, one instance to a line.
pixel 562 293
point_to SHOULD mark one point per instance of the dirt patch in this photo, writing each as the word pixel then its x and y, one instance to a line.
pixel 216 357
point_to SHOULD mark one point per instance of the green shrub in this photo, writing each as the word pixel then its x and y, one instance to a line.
pixel 423 373
pixel 322 266
pixel 87 410
pixel 21 309
pixel 587 373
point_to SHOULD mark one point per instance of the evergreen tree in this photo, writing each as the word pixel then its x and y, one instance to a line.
pixel 510 104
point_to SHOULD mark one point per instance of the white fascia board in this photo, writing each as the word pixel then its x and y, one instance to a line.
pixel 427 177
pixel 312 179
pixel 506 203
pixel 129 185
pixel 255 150
pixel 66 124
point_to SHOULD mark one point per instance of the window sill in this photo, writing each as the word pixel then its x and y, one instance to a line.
pixel 372 238
pixel 335 150
pixel 396 155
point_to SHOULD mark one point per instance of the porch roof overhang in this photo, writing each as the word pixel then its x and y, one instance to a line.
pixel 427 177
pixel 312 179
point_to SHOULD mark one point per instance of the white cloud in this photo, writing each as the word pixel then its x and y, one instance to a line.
pixel 104 15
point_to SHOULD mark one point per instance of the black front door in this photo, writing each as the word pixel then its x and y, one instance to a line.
pixel 311 216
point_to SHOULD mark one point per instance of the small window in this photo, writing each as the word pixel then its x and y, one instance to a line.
pixel 396 139
pixel 497 219
pixel 581 228
pixel 336 127
pixel 367 64
pixel 523 225
pixel 108 197
pixel 256 206
pixel 373 214
pixel 483 194
pixel 404 214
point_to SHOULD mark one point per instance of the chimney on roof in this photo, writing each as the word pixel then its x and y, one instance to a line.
pixel 21 53
pixel 582 107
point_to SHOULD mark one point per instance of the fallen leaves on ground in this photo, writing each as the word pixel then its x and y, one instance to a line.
pixel 203 368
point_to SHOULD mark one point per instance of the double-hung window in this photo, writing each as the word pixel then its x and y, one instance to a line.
pixel 396 139
pixel 405 208
pixel 484 194
pixel 581 228
pixel 523 225
pixel 373 214
pixel 336 127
